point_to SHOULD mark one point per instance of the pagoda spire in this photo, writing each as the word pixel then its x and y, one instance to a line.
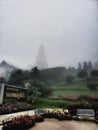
pixel 41 62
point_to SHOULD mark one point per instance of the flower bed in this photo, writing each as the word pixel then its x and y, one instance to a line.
pixel 13 107
pixel 21 123
pixel 57 113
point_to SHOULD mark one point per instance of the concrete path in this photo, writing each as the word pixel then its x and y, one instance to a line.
pixel 1 127
pixel 53 124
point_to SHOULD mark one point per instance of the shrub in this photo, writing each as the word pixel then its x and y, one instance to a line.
pixel 69 79
pixel 82 74
pixel 94 73
pixel 92 86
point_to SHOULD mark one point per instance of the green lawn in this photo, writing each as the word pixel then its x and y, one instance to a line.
pixel 80 89
pixel 51 103
pixel 65 89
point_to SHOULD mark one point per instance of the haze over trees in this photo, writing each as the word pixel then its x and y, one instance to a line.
pixel 51 75
pixel 82 74
pixel 94 73
pixel 41 80
pixel 16 77
pixel 69 79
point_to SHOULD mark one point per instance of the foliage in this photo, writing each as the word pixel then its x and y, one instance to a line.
pixel 82 74
pixel 94 73
pixel 2 80
pixel 35 73
pixel 60 114
pixel 20 77
pixel 34 94
pixel 92 86
pixel 16 77
pixel 51 103
pixel 42 87
pixel 53 75
pixel 21 122
pixel 76 88
pixel 69 79
pixel 84 98
pixel 92 82
pixel 26 75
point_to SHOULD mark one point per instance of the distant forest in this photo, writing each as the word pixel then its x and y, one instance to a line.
pixel 52 75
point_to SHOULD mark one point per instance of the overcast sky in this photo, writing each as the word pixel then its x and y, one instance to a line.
pixel 68 29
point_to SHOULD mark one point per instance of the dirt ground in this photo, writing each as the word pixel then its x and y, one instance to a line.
pixel 53 124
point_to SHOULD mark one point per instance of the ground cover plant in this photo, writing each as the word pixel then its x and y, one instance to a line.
pixel 51 103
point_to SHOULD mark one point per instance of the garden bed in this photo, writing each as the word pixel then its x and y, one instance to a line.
pixel 13 115
pixel 13 107
pixel 21 122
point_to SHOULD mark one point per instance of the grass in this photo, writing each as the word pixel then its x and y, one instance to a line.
pixel 49 103
pixel 79 88
pixel 65 89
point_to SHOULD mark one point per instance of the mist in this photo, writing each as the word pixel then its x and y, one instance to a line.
pixel 68 30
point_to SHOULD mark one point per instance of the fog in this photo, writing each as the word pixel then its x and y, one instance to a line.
pixel 68 30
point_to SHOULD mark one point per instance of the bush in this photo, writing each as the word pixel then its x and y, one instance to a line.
pixel 92 86
pixel 82 74
pixel 94 73
pixel 69 79
pixel 42 88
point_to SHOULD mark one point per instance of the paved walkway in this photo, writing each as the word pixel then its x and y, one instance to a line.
pixel 53 124
pixel 1 127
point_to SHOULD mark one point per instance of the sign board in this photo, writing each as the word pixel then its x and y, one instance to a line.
pixel 12 93
pixel 1 93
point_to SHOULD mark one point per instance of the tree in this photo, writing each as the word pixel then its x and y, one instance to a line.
pixel 39 85
pixel 42 88
pixel 69 79
pixel 94 73
pixel 35 73
pixel 82 74
pixel 96 65
pixel 92 86
pixel 79 67
pixel 53 75
pixel 27 75
pixel 2 80
pixel 16 77
pixel 90 66
pixel 85 65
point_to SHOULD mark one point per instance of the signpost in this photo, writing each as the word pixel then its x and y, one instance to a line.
pixel 8 92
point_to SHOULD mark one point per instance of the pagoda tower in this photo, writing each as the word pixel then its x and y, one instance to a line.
pixel 41 62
